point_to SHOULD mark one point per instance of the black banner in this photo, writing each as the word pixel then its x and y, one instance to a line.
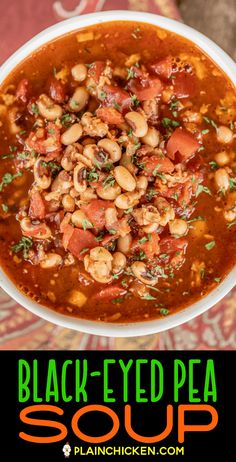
pixel 86 404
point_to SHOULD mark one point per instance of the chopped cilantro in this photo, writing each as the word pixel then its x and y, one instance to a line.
pixel 148 297
pixel 229 225
pixel 204 132
pixel 154 172
pixel 210 122
pixel 164 311
pixel 103 94
pixel 93 175
pixel 8 178
pixel 217 279
pixel 116 106
pixel 166 122
pixel 199 218
pixel 232 183
pixel 143 240
pixel 135 100
pixel 34 109
pixel 84 250
pixel 5 208
pixel 204 189
pixel 86 224
pixel 124 283
pixel 108 181
pixel 117 300
pixel 23 246
pixel 213 165
pixel 130 73
pixel 210 245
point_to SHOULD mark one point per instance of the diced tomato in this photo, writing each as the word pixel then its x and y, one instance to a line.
pixel 56 90
pixel 75 240
pixel 95 211
pixel 117 97
pixel 45 140
pixel 109 293
pixel 150 247
pixel 23 90
pixel 110 115
pixel 170 245
pixel 157 164
pixel 95 70
pixel 146 89
pixel 37 206
pixel 182 142
pixel 36 230
pixel 185 85
pixel 163 67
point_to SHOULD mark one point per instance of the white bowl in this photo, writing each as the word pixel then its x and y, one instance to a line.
pixel 140 328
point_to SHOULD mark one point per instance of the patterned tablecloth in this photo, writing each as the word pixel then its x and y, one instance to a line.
pixel 20 329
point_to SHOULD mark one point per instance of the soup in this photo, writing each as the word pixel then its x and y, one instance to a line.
pixel 117 173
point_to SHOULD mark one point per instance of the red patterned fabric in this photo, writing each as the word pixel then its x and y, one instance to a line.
pixel 20 329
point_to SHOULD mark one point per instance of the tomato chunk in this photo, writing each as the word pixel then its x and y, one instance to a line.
pixel 23 90
pixel 117 97
pixel 150 247
pixel 170 245
pixel 109 293
pixel 157 164
pixel 162 67
pixel 37 206
pixel 75 240
pixel 56 90
pixel 185 85
pixel 96 70
pixel 110 115
pixel 146 89
pixel 95 211
pixel 45 141
pixel 182 142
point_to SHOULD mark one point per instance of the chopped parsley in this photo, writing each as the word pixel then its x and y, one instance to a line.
pixel 217 279
pixel 84 250
pixel 124 283
pixel 7 156
pixel 5 208
pixel 108 181
pixel 213 165
pixel 86 224
pixel 118 300
pixel 116 106
pixel 148 297
pixel 135 100
pixel 34 109
pixel 66 119
pixel 204 189
pixel 103 94
pixel 23 246
pixel 204 132
pixel 154 172
pixel 112 231
pixel 55 168
pixel 210 245
pixel 150 194
pixel 100 237
pixel 167 123
pixel 210 122
pixel 8 178
pixel 143 240
pixel 199 218
pixel 93 175
pixel 130 210
pixel 130 73
pixel 232 183
pixel 164 311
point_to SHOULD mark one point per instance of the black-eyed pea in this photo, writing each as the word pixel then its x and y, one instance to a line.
pixel 72 134
pixel 48 109
pixel 124 178
pixel 152 137
pixel 178 227
pixel 222 179
pixel 80 177
pixel 118 262
pixel 224 134
pixel 222 158
pixel 142 182
pixel 80 220
pixel 111 147
pixel 79 99
pixel 124 243
pixel 44 180
pixel 109 193
pixel 51 260
pixel 99 264
pixel 137 123
pixel 68 203
pixel 139 270
pixel 79 72
pixel 127 200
